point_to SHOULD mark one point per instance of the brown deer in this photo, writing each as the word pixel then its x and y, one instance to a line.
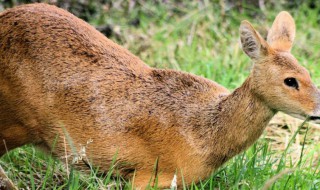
pixel 62 84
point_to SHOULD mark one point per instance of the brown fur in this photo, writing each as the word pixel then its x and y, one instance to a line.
pixel 60 78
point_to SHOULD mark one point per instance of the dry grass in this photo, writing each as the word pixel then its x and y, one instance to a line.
pixel 282 128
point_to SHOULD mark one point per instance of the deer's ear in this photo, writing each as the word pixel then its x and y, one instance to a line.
pixel 282 32
pixel 252 43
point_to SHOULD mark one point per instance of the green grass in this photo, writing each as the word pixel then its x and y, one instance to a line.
pixel 197 38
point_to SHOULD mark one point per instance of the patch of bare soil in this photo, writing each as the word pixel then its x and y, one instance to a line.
pixel 282 129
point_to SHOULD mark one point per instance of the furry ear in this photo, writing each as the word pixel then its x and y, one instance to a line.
pixel 282 32
pixel 252 43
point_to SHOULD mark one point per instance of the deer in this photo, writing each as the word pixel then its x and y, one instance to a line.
pixel 61 79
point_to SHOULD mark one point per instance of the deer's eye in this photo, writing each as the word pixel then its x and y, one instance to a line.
pixel 291 82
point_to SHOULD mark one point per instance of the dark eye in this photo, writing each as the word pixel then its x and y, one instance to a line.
pixel 291 82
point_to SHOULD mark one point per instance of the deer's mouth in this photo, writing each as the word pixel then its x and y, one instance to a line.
pixel 313 118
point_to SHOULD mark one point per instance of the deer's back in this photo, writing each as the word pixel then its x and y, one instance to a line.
pixel 54 38
pixel 48 57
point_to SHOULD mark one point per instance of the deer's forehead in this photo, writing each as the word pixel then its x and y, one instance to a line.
pixel 281 63
pixel 287 61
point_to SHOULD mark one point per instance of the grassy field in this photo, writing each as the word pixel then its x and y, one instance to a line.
pixel 200 38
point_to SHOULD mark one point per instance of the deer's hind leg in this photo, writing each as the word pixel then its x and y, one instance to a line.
pixel 12 133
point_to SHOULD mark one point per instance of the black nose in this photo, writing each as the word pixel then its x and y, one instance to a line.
pixel 315 117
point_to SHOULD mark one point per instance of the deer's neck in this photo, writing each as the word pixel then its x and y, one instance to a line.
pixel 237 121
